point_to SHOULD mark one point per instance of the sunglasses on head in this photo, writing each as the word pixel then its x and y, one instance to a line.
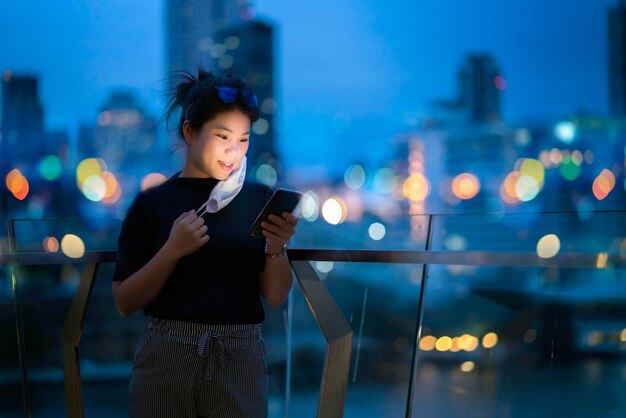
pixel 228 94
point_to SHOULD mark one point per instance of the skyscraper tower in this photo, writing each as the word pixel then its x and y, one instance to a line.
pixel 617 59
pixel 248 53
pixel 22 137
pixel 480 84
pixel 191 29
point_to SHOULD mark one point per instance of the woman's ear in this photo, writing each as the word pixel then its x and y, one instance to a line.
pixel 188 132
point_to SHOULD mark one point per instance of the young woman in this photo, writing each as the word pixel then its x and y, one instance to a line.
pixel 185 258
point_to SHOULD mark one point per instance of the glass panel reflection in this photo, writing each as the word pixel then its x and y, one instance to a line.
pixel 380 302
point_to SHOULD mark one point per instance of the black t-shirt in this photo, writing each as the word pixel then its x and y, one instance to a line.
pixel 217 284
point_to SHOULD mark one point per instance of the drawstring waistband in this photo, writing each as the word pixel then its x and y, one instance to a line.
pixel 209 345
pixel 213 342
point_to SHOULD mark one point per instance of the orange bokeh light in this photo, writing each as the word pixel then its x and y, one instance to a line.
pixel 601 187
pixel 115 197
pixel 111 184
pixel 51 244
pixel 17 184
pixel 151 180
pixel 465 186
pixel 416 187
pixel 507 190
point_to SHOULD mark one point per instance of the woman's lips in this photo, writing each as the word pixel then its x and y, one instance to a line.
pixel 225 166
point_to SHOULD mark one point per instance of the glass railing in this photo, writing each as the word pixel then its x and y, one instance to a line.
pixel 517 315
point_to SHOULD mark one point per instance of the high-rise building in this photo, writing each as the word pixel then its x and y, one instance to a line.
pixel 191 30
pixel 480 84
pixel 248 53
pixel 124 132
pixel 22 137
pixel 617 59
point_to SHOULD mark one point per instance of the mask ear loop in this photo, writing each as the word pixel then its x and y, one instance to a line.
pixel 204 206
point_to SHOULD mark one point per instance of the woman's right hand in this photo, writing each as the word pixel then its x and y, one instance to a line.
pixel 188 233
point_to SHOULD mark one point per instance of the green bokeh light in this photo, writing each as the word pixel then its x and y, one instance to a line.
pixel 569 169
pixel 50 167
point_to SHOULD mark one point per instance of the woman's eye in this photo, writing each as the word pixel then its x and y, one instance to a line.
pixel 243 140
pixel 222 136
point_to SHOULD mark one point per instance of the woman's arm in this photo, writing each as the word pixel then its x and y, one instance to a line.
pixel 188 233
pixel 276 279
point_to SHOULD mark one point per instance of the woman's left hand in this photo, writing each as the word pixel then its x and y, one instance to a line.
pixel 279 230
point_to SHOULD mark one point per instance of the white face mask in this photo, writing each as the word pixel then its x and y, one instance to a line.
pixel 225 191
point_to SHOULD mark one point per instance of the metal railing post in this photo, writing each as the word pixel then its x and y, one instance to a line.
pixel 70 340
pixel 338 335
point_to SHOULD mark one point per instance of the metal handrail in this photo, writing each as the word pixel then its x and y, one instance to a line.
pixel 599 260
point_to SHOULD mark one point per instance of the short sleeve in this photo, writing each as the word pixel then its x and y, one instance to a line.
pixel 134 244
pixel 268 193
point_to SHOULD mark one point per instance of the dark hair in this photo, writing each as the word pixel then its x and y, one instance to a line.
pixel 197 99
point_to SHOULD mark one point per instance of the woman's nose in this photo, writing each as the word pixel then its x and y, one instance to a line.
pixel 234 148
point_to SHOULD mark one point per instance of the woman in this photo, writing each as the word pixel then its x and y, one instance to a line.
pixel 186 259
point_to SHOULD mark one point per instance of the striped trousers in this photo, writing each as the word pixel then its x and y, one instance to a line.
pixel 190 370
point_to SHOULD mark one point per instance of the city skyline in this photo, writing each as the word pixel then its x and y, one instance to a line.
pixel 349 100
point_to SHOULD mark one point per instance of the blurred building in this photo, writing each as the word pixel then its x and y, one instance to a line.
pixel 124 133
pixel 191 28
pixel 22 136
pixel 249 53
pixel 617 59
pixel 480 86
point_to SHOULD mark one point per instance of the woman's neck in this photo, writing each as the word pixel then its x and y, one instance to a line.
pixel 190 171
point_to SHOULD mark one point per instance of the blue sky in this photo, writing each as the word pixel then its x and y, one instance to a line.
pixel 350 72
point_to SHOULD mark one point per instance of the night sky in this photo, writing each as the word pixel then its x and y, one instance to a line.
pixel 348 70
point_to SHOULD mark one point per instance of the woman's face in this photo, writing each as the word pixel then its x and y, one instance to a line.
pixel 218 148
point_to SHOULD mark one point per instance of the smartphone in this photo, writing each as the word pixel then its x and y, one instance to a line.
pixel 282 200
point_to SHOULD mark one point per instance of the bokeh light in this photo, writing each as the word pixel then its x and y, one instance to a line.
pixel 51 244
pixel 507 190
pixel 416 187
pixel 500 83
pixel 467 366
pixel 555 156
pixel 94 188
pixel 334 210
pixel 569 169
pixel 577 157
pixel 526 188
pixel 465 186
pixel 468 342
pixel 267 175
pixel 354 177
pixel 565 131
pixel 309 206
pixel 533 168
pixel 152 180
pixel 427 343
pixel 443 343
pixel 548 246
pixel 376 231
pixel 490 340
pixel 603 184
pixel 87 168
pixel 455 345
pixel 261 126
pixel 72 246
pixel 324 266
pixel 455 242
pixel 17 184
pixel 50 167
pixel 384 180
